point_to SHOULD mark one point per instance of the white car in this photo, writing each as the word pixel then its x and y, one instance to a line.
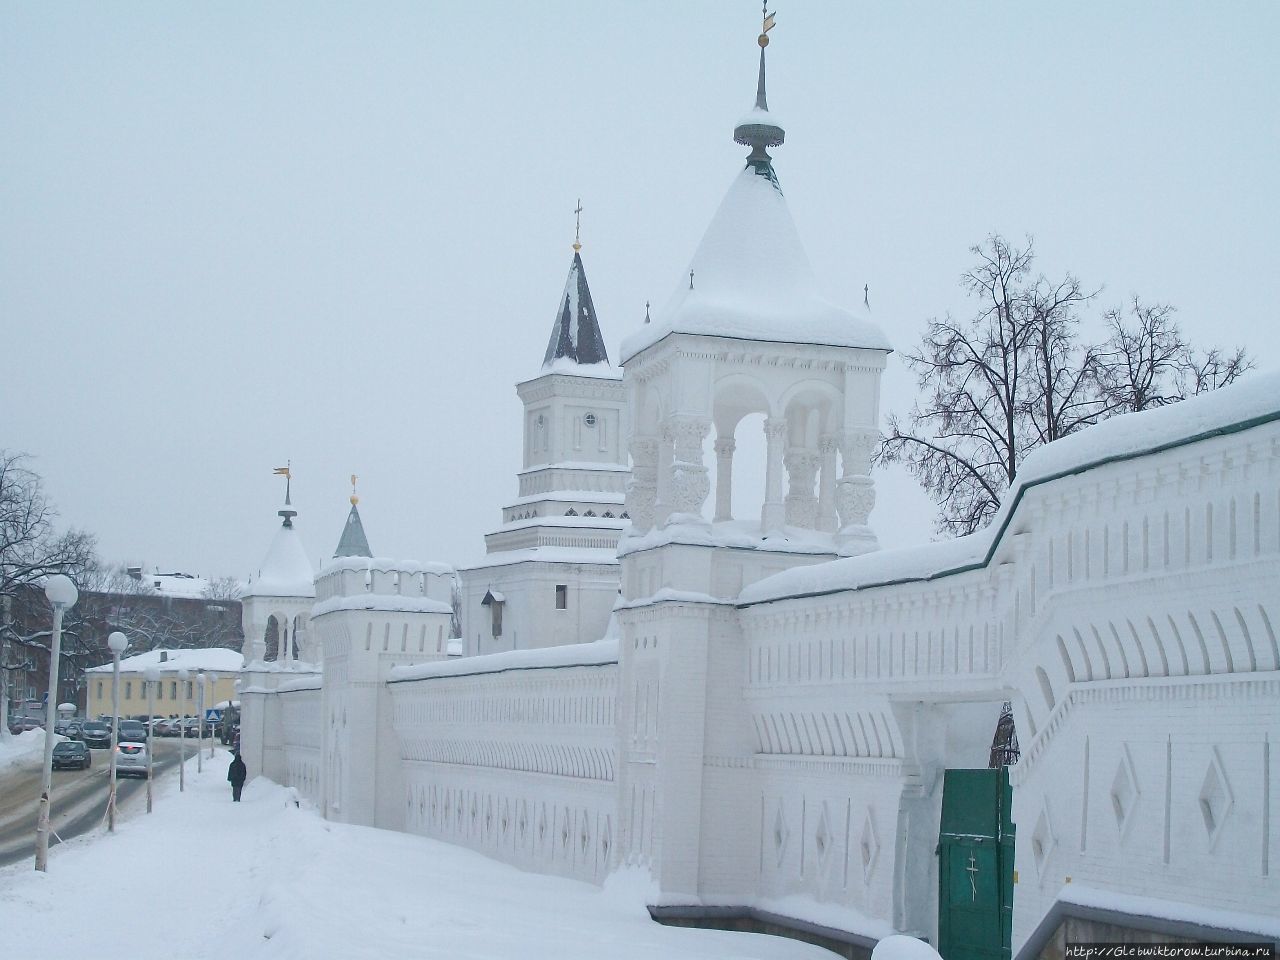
pixel 131 759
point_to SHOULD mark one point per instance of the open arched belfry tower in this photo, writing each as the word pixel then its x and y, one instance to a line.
pixel 745 334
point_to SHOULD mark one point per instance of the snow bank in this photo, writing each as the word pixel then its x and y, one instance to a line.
pixel 276 882
pixel 24 749
pixel 898 947
pixel 569 655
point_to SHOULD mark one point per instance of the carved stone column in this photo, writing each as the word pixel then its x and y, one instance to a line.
pixel 827 520
pixel 689 481
pixel 255 643
pixel 724 477
pixel 642 488
pixel 855 493
pixel 666 453
pixel 802 471
pixel 773 514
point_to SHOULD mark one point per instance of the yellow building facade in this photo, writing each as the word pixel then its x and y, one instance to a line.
pixel 173 696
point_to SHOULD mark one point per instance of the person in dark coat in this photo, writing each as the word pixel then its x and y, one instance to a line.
pixel 236 774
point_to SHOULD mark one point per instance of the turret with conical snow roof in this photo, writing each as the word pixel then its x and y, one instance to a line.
pixel 277 597
pixel 553 561
pixel 748 332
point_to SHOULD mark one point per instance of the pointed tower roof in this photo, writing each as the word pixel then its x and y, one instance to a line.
pixel 750 278
pixel 353 542
pixel 285 571
pixel 575 338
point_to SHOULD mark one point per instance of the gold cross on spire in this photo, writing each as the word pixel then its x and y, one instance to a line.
pixel 577 226
pixel 354 498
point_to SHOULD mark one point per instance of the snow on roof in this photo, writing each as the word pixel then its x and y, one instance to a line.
pixel 742 534
pixel 393 602
pixel 586 555
pixel 1252 402
pixel 361 564
pixel 752 281
pixel 182 585
pixel 577 522
pixel 599 653
pixel 216 659
pixel 286 571
pixel 601 371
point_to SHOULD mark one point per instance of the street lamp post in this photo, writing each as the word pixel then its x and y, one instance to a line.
pixel 62 595
pixel 213 686
pixel 153 678
pixel 183 677
pixel 200 723
pixel 117 642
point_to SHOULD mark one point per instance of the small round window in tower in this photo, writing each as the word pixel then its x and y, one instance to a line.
pixel 589 419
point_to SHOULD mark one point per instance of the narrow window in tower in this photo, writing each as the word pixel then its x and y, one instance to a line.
pixel 495 610
pixel 562 596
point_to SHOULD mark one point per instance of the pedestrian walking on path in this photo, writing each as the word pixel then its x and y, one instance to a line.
pixel 235 775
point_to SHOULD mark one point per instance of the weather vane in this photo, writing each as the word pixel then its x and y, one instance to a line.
pixel 768 25
pixel 354 498
pixel 577 226
pixel 287 473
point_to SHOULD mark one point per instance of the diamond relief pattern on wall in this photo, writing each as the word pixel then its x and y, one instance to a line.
pixel 1042 841
pixel 1124 793
pixel 868 846
pixel 781 832
pixel 1215 800
pixel 822 838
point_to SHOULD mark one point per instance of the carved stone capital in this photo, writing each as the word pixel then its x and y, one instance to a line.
pixel 855 499
pixel 687 433
pixel 725 446
pixel 689 487
pixel 856 448
pixel 644 451
pixel 775 429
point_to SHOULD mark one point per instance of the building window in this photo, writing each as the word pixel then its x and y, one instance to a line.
pixel 495 611
pixel 189 688
pixel 173 690
pixel 562 596
pixel 128 689
pixel 99 689
pixel 159 690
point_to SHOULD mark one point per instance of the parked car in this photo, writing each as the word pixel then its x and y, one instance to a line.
pixel 22 724
pixel 132 730
pixel 74 728
pixel 131 759
pixel 95 733
pixel 72 755
pixel 192 725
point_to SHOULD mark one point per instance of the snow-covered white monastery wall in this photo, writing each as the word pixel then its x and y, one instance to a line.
pixel 302 735
pixel 513 754
pixel 1125 601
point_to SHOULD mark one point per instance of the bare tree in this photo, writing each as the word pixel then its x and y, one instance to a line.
pixel 30 549
pixel 1017 375
pixel 224 588
pixel 996 385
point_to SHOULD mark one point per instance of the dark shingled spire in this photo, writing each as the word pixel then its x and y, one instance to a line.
pixel 353 543
pixel 759 130
pixel 576 333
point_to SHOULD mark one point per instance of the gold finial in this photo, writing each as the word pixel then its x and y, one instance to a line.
pixel 763 39
pixel 354 498
pixel 577 227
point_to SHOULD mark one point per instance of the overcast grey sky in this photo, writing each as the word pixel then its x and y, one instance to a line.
pixel 233 234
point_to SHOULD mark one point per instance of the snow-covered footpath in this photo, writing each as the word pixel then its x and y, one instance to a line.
pixel 204 877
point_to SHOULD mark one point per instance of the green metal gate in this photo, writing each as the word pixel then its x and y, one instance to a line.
pixel 975 899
